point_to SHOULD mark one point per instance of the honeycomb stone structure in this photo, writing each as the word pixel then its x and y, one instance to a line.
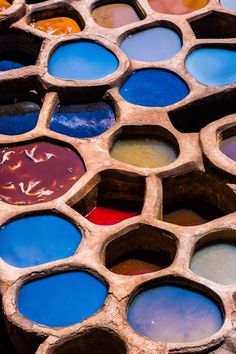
pixel 195 125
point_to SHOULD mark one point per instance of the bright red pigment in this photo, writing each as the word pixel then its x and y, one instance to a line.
pixel 108 216
pixel 134 267
pixel 37 172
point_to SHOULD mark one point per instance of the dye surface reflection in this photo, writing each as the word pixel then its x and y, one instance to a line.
pixel 37 172
pixel 154 88
pixel 39 239
pixel 174 314
pixel 62 299
pixel 84 60
pixel 18 118
pixel 228 147
pixel 216 262
pixel 177 7
pixel 221 69
pixel 83 120
pixel 153 44
pixel 57 26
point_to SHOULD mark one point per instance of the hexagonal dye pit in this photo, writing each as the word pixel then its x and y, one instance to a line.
pixel 216 262
pixel 177 7
pixel 222 70
pixel 38 239
pixel 228 147
pixel 37 172
pixel 83 120
pixel 18 117
pixel 115 15
pixel 147 152
pixel 229 4
pixel 174 314
pixel 152 44
pixel 83 60
pixel 154 88
pixel 4 5
pixel 62 299
pixel 57 26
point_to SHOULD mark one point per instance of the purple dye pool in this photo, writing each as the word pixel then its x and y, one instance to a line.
pixel 174 314
pixel 83 120
pixel 228 147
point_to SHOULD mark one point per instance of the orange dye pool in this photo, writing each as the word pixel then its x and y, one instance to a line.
pixel 4 5
pixel 177 7
pixel 57 26
pixel 37 172
pixel 134 267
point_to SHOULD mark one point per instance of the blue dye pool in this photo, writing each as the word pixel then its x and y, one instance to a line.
pixel 83 120
pixel 213 66
pixel 38 239
pixel 153 44
pixel 229 4
pixel 18 118
pixel 82 60
pixel 62 299
pixel 174 314
pixel 9 65
pixel 154 88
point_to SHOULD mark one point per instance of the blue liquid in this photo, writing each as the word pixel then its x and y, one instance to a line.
pixel 212 66
pixel 39 239
pixel 154 88
pixel 174 314
pixel 153 44
pixel 229 4
pixel 18 118
pixel 9 65
pixel 82 60
pixel 62 299
pixel 83 120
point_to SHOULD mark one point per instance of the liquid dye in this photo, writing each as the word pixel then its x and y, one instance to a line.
pixel 83 120
pixel 15 60
pixel 83 60
pixel 115 15
pixel 37 172
pixel 57 26
pixel 216 262
pixel 4 5
pixel 154 88
pixel 177 7
pixel 153 44
pixel 221 69
pixel 18 118
pixel 228 147
pixel 134 267
pixel 141 152
pixel 174 314
pixel 109 216
pixel 229 4
pixel 39 239
pixel 62 299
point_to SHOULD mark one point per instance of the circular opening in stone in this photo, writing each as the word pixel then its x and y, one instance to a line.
pixel 83 120
pixel 154 88
pixel 37 172
pixel 228 144
pixel 115 15
pixel 152 44
pixel 62 299
pixel 177 7
pixel 38 239
pixel 57 26
pixel 140 251
pixel 141 147
pixel 18 116
pixel 173 313
pixel 82 60
pixel 222 70
pixel 228 4
pixel 215 257
pixel 94 341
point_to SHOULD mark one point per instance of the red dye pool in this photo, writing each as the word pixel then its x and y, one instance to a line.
pixel 37 172
pixel 109 216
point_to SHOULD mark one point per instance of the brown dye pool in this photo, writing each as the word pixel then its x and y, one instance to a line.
pixel 134 267
pixel 144 152
pixel 191 213
pixel 115 15
pixel 57 26
pixel 177 7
